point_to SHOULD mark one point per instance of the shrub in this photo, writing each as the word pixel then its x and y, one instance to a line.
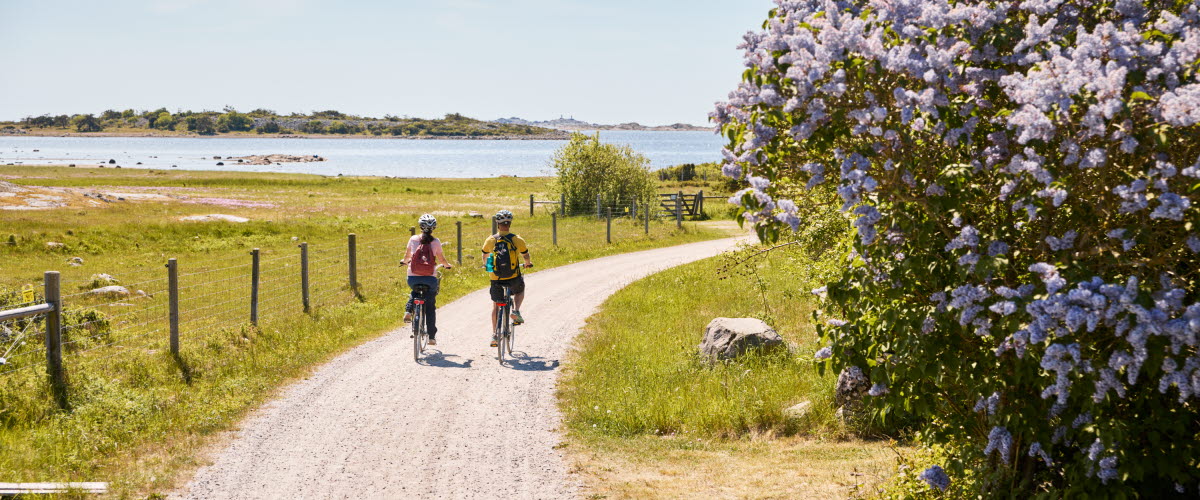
pixel 313 127
pixel 201 124
pixel 110 115
pixel 270 127
pixel 165 121
pixel 234 121
pixel 1020 176
pixel 585 167
pixel 86 123
pixel 338 127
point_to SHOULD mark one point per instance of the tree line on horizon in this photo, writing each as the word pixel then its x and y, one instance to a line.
pixel 265 121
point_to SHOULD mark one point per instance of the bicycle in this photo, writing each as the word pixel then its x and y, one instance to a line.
pixel 420 333
pixel 505 330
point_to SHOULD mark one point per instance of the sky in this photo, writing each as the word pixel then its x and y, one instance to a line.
pixel 603 61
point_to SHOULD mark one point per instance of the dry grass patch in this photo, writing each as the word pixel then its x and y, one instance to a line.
pixel 676 467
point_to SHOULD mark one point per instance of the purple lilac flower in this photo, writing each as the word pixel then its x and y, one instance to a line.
pixel 824 353
pixel 968 237
pixel 878 390
pixel 936 477
pixel 1035 450
pixel 1193 242
pixel 1108 469
pixel 1066 242
pixel 1050 276
pixel 1171 206
pixel 999 440
pixel 997 248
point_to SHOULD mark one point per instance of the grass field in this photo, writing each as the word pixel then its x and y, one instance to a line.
pixel 648 418
pixel 140 417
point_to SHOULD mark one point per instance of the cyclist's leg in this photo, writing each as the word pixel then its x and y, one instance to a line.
pixel 497 296
pixel 431 307
pixel 518 291
pixel 412 294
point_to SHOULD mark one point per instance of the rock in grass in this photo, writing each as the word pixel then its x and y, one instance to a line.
pixel 728 338
pixel 798 410
pixel 111 290
pixel 75 261
pixel 214 217
pixel 54 245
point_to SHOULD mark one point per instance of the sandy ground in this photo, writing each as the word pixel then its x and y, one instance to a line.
pixel 373 423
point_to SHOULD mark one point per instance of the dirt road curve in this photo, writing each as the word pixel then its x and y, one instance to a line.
pixel 374 424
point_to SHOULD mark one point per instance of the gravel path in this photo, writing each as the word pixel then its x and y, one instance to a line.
pixel 374 424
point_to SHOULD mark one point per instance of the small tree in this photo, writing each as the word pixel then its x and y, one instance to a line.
pixel 87 123
pixel 586 168
pixel 313 127
pixel 339 127
pixel 271 127
pixel 201 124
pixel 234 121
pixel 165 121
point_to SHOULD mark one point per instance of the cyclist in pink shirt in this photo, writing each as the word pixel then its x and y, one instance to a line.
pixel 423 253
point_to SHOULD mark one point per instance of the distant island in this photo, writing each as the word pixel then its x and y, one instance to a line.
pixel 264 122
pixel 571 124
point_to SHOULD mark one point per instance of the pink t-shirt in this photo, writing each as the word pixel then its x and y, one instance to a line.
pixel 414 242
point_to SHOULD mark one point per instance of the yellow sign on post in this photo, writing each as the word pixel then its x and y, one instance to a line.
pixel 27 294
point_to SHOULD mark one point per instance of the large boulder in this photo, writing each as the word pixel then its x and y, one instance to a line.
pixel 728 338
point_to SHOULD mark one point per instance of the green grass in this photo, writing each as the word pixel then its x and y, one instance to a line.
pixel 646 417
pixel 139 416
pixel 637 371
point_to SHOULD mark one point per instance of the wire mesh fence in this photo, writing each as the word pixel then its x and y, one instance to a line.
pixel 206 299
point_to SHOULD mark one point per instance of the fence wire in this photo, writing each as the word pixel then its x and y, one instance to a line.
pixel 106 316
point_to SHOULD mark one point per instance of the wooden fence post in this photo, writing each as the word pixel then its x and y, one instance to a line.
pixel 608 226
pixel 173 301
pixel 352 248
pixel 304 277
pixel 254 287
pixel 679 210
pixel 598 206
pixel 493 225
pixel 531 205
pixel 412 230
pixel 54 366
pixel 647 217
pixel 458 240
pixel 700 204
pixel 554 228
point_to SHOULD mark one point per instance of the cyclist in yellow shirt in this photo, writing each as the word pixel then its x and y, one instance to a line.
pixel 500 250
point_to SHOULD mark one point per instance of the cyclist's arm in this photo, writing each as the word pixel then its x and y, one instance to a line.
pixel 407 256
pixel 524 249
pixel 437 254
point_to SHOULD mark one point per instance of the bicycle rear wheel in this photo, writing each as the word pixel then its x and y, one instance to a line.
pixel 418 333
pixel 502 340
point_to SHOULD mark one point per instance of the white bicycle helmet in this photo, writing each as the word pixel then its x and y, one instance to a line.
pixel 427 223
pixel 503 216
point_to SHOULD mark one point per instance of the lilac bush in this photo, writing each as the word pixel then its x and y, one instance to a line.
pixel 1019 176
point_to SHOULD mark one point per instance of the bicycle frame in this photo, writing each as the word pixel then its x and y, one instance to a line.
pixel 504 327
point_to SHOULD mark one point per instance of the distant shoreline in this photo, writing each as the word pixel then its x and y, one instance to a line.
pixel 537 137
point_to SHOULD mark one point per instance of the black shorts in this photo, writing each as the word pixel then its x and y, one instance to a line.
pixel 517 284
